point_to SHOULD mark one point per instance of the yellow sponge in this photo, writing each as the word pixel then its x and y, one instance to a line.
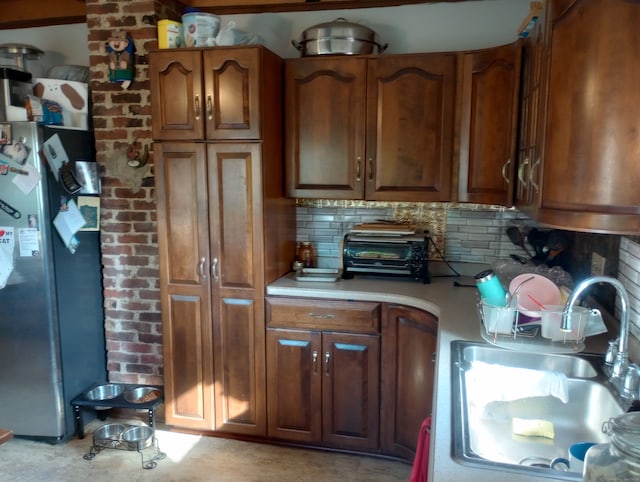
pixel 532 427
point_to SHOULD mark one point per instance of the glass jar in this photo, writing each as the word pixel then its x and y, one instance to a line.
pixel 490 287
pixel 306 254
pixel 618 460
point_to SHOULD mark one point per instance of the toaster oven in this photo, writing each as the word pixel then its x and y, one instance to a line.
pixel 386 255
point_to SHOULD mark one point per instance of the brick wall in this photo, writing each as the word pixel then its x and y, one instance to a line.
pixel 128 231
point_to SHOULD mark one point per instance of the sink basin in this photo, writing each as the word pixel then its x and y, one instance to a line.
pixel 482 431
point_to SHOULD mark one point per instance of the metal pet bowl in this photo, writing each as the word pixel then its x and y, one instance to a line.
pixel 110 431
pixel 105 392
pixel 142 395
pixel 138 437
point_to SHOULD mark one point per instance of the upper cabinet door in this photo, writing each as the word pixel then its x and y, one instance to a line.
pixel 235 207
pixel 325 124
pixel 530 132
pixel 489 116
pixel 592 145
pixel 370 128
pixel 176 95
pixel 410 125
pixel 232 89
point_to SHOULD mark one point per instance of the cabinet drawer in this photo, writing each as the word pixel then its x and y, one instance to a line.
pixel 347 316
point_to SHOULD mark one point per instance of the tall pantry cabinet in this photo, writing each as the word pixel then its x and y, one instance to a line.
pixel 224 228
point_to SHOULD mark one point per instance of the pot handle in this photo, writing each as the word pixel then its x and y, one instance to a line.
pixel 297 45
pixel 382 48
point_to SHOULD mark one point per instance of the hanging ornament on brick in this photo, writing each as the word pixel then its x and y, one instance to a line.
pixel 121 58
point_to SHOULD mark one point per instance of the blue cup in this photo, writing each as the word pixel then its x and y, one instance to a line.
pixel 575 462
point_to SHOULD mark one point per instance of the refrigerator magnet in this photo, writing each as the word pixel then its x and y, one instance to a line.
pixel 5 133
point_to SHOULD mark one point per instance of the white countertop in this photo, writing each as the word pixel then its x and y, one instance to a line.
pixel 455 308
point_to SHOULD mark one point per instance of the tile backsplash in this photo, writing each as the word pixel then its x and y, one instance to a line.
pixel 629 275
pixel 460 232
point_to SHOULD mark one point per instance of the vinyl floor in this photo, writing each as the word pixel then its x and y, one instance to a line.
pixel 179 457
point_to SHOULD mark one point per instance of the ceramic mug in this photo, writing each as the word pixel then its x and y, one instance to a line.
pixel 575 462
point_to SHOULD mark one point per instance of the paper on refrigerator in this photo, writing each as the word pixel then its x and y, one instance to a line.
pixel 68 223
pixel 7 244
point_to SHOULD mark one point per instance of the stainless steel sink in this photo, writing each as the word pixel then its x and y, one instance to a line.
pixel 482 432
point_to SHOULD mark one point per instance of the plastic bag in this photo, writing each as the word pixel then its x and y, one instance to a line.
pixel 230 35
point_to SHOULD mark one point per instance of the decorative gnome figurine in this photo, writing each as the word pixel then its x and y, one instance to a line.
pixel 121 58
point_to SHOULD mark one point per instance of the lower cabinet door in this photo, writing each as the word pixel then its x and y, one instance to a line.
pixel 351 390
pixel 323 387
pixel 294 385
pixel 408 361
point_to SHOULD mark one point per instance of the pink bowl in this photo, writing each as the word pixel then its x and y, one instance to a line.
pixel 540 289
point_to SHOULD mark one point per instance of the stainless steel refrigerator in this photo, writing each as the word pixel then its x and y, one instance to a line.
pixel 52 343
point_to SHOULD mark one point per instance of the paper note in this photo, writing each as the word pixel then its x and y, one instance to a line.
pixel 69 222
pixel 27 182
pixel 7 243
pixel 29 242
pixel 55 154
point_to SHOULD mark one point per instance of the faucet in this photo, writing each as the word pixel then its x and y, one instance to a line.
pixel 621 360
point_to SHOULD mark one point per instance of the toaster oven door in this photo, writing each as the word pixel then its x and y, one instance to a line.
pixel 388 257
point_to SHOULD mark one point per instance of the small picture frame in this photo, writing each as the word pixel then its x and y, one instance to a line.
pixel 5 133
pixel 89 207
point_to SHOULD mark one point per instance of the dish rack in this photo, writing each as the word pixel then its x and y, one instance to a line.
pixel 508 328
pixel 120 436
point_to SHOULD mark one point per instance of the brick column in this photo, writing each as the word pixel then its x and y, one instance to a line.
pixel 122 118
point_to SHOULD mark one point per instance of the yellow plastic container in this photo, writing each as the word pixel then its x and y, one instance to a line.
pixel 170 34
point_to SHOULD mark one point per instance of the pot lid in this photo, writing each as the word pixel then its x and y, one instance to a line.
pixel 339 27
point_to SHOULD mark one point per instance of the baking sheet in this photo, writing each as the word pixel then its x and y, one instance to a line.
pixel 326 275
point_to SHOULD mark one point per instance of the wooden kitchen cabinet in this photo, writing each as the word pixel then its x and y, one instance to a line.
pixel 489 84
pixel 589 173
pixel 531 127
pixel 183 244
pixel 376 128
pixel 409 342
pixel 224 231
pixel 323 384
pixel 210 93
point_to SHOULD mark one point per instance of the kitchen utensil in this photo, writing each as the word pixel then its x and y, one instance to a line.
pixel 537 303
pixel 517 238
pixel 542 288
pixel 338 37
pixel 538 239
pixel 557 243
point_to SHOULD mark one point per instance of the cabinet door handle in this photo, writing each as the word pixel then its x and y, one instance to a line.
pixel 209 108
pixel 321 316
pixel 370 173
pixel 532 176
pixel 358 169
pixel 521 170
pixel 196 107
pixel 504 170
pixel 327 358
pixel 314 361
pixel 214 269
pixel 203 275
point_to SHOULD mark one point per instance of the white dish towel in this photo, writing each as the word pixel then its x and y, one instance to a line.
pixel 488 382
